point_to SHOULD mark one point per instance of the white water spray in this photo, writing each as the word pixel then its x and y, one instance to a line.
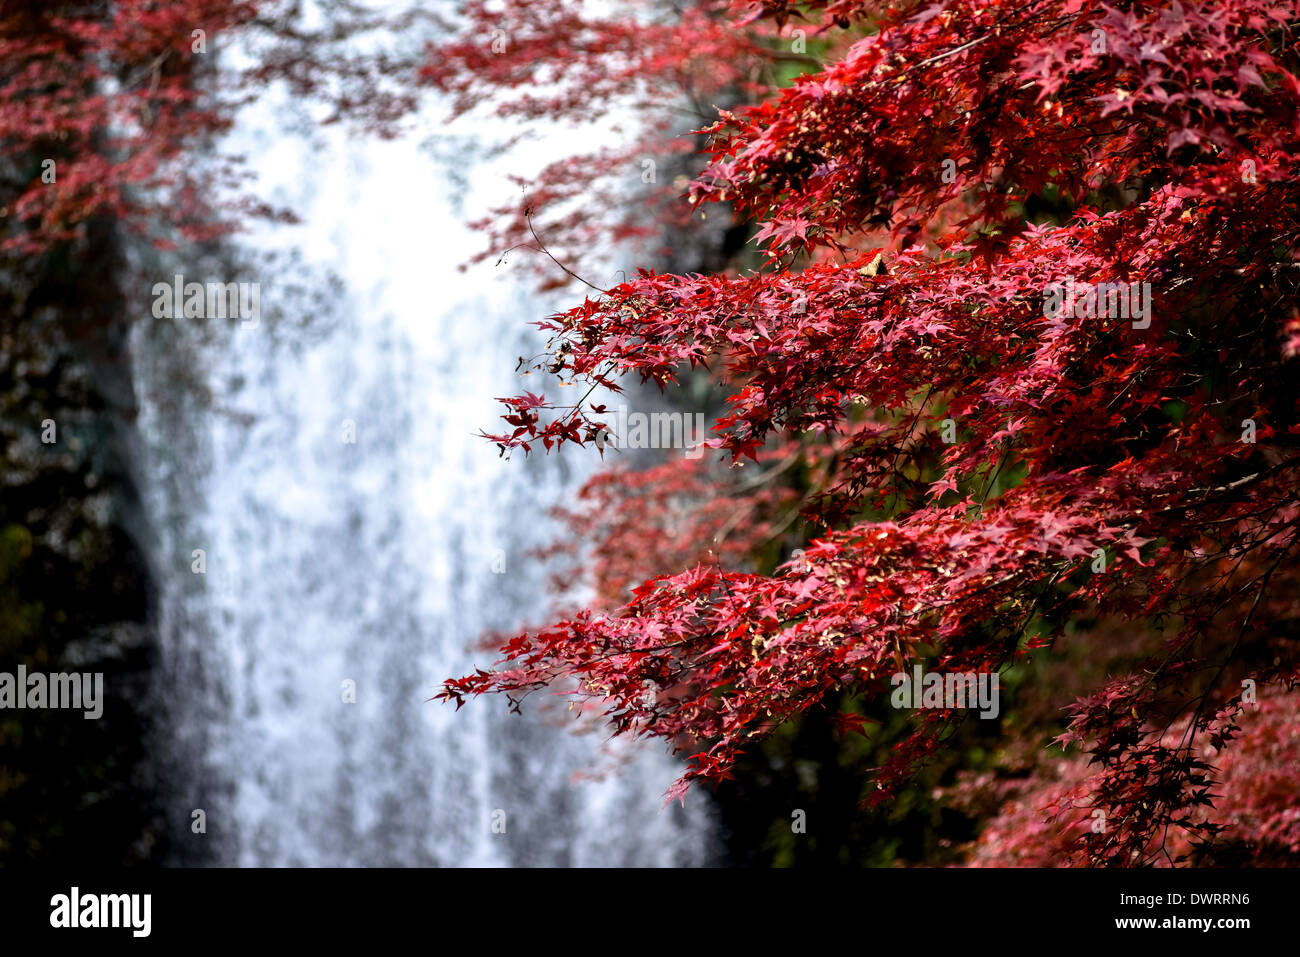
pixel 350 521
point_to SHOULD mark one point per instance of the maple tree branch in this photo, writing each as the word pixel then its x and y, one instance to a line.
pixel 528 216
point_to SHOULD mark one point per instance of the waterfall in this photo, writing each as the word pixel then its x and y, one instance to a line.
pixel 355 533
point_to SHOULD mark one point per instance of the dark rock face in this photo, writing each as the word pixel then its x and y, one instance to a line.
pixel 74 584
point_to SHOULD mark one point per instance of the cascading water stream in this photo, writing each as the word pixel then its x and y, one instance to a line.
pixel 375 561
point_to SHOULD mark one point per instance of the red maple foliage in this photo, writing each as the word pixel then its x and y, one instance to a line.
pixel 657 67
pixel 988 434
pixel 1052 818
pixel 104 105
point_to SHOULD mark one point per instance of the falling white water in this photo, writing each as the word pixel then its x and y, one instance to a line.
pixel 371 562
